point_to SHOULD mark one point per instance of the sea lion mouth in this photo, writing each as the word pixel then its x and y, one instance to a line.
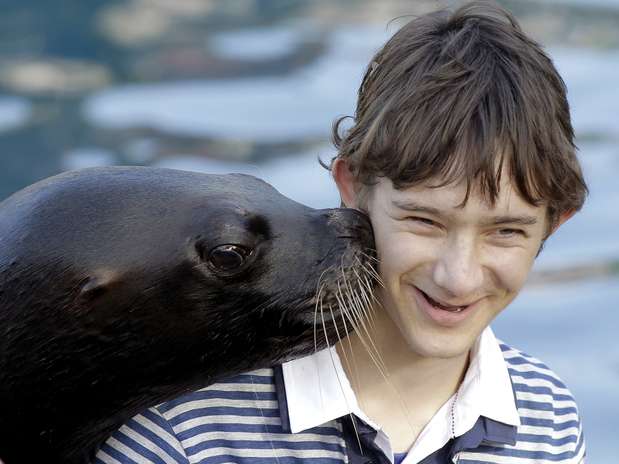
pixel 344 302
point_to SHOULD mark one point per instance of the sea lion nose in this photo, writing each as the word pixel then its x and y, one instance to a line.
pixel 351 223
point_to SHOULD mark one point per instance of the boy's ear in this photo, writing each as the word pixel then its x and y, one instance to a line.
pixel 345 182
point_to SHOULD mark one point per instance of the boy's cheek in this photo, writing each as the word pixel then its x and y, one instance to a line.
pixel 396 253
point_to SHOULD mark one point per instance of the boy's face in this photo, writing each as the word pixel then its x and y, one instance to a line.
pixel 449 270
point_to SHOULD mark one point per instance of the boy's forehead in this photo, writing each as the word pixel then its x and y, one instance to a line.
pixel 452 198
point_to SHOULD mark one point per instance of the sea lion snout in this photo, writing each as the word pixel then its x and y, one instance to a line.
pixel 352 223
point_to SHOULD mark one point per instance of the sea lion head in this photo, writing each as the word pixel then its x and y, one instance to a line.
pixel 138 284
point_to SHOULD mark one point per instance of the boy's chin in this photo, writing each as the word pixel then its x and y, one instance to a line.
pixel 440 346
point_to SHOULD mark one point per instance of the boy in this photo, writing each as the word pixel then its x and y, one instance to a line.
pixel 461 152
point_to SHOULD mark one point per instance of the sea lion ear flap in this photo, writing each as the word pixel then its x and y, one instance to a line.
pixel 97 284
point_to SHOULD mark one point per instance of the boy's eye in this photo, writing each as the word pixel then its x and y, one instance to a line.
pixel 511 233
pixel 422 220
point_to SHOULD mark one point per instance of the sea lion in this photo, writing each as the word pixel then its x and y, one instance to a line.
pixel 123 287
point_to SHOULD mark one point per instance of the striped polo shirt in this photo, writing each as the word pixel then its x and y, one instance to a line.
pixel 510 408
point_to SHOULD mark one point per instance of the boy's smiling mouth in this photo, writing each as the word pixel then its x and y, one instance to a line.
pixel 452 313
pixel 443 306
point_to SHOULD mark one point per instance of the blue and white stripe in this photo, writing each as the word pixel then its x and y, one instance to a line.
pixel 550 430
pixel 238 421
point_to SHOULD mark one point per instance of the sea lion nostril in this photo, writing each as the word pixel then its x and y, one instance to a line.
pixel 352 223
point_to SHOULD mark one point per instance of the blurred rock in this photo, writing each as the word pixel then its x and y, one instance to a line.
pixel 53 75
pixel 138 22
pixel 593 270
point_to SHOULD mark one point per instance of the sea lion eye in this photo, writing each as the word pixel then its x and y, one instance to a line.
pixel 228 257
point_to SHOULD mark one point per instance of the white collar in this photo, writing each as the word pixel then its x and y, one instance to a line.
pixel 318 391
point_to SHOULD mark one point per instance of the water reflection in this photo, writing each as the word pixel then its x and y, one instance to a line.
pixel 14 112
pixel 276 109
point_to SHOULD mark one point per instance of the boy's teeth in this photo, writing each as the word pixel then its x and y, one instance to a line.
pixel 453 309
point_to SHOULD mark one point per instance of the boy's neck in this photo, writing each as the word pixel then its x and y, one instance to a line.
pixel 413 387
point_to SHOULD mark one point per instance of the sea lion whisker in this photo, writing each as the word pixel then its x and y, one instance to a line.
pixel 360 317
pixel 382 369
pixel 324 326
pixel 373 270
pixel 371 257
pixel 339 381
pixel 357 323
pixel 366 288
pixel 365 310
pixel 337 332
pixel 322 275
pixel 374 274
pixel 318 302
pixel 362 279
pixel 346 311
pixel 350 308
pixel 352 353
pixel 359 308
pixel 371 291
pixel 363 342
pixel 379 363
pixel 352 294
pixel 373 302
pixel 347 294
pixel 375 353
pixel 343 302
pixel 320 287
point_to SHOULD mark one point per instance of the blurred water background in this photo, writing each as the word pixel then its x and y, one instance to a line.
pixel 254 85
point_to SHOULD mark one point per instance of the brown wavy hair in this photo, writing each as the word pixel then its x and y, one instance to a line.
pixel 458 96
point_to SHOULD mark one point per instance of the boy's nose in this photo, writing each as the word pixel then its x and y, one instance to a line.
pixel 458 270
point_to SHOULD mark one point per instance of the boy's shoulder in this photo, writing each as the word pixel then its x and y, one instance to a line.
pixel 533 381
pixel 550 429
pixel 238 419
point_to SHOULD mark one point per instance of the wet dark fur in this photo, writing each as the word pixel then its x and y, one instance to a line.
pixel 108 304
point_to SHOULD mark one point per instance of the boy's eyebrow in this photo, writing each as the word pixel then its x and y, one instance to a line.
pixel 523 220
pixel 520 220
pixel 415 207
